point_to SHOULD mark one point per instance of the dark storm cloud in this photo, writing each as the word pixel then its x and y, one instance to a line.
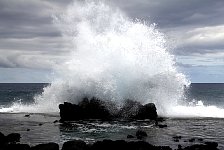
pixel 28 37
pixel 201 40
pixel 178 18
pixel 27 59
pixel 26 19
pixel 174 13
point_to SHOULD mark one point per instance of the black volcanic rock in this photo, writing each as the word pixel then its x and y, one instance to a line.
pixel 9 142
pixel 177 138
pixel 27 115
pixel 140 134
pixel 130 136
pixel 147 111
pixel 200 147
pixel 74 145
pixel 161 125
pixel 17 147
pixel 47 146
pixel 121 145
pixel 129 110
pixel 13 137
pixel 101 145
pixel 205 146
pixel 211 145
pixel 69 112
pixel 192 140
pixel 110 145
pixel 135 110
pixel 86 109
pixel 96 109
pixel 3 139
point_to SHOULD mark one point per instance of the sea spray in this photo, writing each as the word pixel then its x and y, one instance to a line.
pixel 113 58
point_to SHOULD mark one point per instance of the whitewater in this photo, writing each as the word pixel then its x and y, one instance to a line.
pixel 115 58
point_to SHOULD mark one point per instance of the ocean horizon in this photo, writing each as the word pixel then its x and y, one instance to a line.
pixel 39 127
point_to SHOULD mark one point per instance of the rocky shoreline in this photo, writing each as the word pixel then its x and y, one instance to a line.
pixel 131 110
pixel 95 109
pixel 12 142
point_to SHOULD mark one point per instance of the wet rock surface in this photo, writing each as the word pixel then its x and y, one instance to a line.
pixel 107 144
pixel 47 146
pixel 121 145
pixel 75 144
pixel 140 134
pixel 13 137
pixel 130 136
pixel 96 109
pixel 16 147
pixel 86 109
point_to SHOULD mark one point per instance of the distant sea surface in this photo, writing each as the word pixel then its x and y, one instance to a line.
pixel 19 92
pixel 40 128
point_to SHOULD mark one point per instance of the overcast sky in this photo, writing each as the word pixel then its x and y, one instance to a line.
pixel 30 44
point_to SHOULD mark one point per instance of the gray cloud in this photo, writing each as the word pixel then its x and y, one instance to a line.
pixel 201 40
pixel 174 13
pixel 28 59
pixel 28 37
pixel 183 22
pixel 26 20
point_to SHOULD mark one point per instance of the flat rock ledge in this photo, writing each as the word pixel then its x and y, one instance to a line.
pixel 97 109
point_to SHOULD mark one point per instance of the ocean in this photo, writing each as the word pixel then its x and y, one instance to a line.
pixel 113 57
pixel 40 127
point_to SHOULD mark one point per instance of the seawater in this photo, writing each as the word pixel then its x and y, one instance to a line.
pixel 42 129
pixel 23 94
pixel 114 58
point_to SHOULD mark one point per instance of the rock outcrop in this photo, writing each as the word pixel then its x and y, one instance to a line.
pixel 140 134
pixel 47 146
pixel 96 109
pixel 112 145
pixel 75 145
pixel 86 109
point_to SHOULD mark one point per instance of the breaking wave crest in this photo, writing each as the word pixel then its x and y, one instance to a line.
pixel 114 58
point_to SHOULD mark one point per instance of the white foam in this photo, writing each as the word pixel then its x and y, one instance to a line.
pixel 115 58
pixel 196 110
